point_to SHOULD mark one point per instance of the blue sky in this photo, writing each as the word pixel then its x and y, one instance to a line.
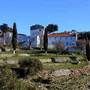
pixel 68 14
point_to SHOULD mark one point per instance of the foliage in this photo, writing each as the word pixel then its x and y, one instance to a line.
pixel 14 37
pixel 88 50
pixel 36 26
pixel 51 28
pixel 73 60
pixel 4 27
pixel 32 65
pixel 59 46
pixel 56 66
pixel 84 35
pixel 8 81
pixel 45 40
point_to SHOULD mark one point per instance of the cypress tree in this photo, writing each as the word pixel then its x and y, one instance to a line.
pixel 88 50
pixel 49 29
pixel 87 38
pixel 14 37
pixel 45 40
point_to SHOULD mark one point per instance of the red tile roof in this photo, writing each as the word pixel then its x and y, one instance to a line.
pixel 61 34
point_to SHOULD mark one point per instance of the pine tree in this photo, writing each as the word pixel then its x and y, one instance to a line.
pixel 14 38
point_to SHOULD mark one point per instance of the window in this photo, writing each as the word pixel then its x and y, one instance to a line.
pixel 66 43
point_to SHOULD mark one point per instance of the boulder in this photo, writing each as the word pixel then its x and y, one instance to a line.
pixel 58 60
pixel 61 72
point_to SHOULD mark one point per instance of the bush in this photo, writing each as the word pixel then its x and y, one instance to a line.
pixel 8 81
pixel 31 65
pixel 73 60
pixel 2 49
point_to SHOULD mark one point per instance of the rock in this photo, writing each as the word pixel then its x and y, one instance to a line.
pixel 23 54
pixel 58 60
pixel 61 72
pixel 12 61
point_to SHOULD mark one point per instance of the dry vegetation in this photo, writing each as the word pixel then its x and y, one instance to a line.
pixel 43 79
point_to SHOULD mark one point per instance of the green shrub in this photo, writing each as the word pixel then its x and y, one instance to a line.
pixel 8 81
pixel 31 64
pixel 73 60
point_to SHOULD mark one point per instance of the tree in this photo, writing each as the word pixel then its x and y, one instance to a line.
pixel 36 26
pixel 88 50
pixel 45 40
pixel 14 38
pixel 86 36
pixel 88 45
pixel 49 29
pixel 59 46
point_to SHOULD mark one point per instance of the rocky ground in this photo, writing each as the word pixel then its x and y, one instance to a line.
pixel 64 79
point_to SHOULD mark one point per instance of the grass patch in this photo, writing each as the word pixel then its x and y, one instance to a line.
pixel 45 59
pixel 55 66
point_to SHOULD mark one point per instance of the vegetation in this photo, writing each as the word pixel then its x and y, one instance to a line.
pixel 50 28
pixel 32 68
pixel 31 65
pixel 88 50
pixel 73 60
pixel 69 83
pixel 86 36
pixel 14 37
pixel 30 73
pixel 45 40
pixel 36 26
pixel 8 81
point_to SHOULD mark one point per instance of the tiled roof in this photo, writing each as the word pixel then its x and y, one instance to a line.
pixel 61 35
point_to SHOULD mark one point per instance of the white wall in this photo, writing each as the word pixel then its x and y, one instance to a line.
pixel 35 37
pixel 8 37
pixel 67 41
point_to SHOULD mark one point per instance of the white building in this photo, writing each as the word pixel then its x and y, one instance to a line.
pixel 68 40
pixel 5 37
pixel 37 32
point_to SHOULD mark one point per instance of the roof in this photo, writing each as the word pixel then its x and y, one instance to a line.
pixel 61 35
